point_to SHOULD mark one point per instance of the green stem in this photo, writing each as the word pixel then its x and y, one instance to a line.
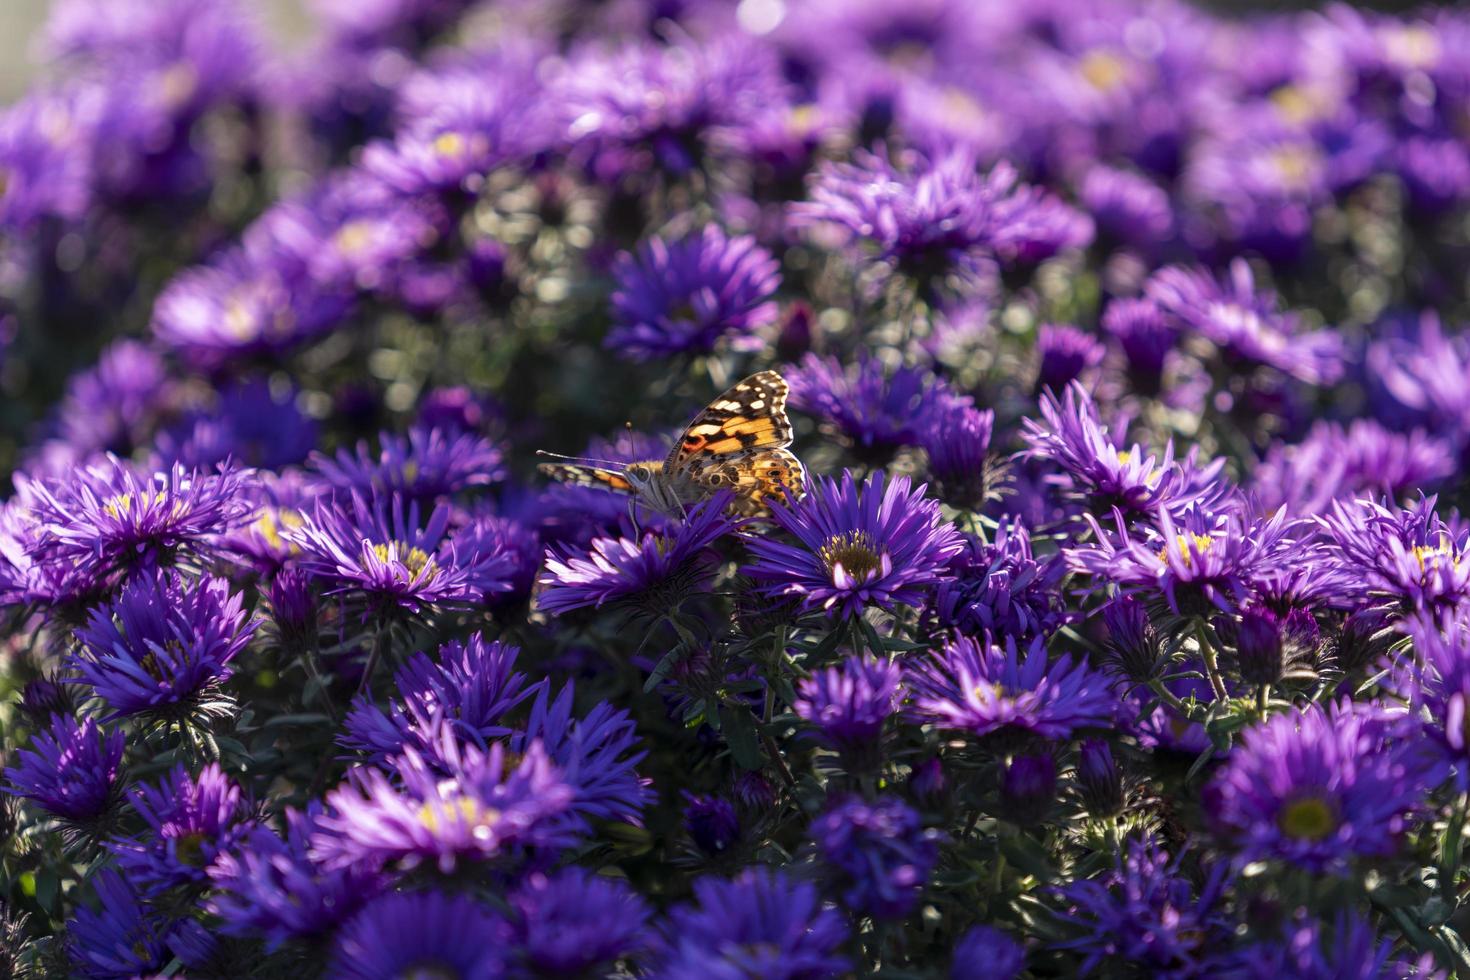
pixel 1168 697
pixel 1212 660
pixel 1263 695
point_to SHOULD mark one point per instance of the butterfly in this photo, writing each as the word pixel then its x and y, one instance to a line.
pixel 737 443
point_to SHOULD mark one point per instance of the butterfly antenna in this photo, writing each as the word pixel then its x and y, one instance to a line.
pixel 582 459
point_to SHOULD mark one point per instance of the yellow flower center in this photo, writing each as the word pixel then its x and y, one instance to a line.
pixel 269 524
pixel 122 506
pixel 178 83
pixel 1295 104
pixel 1413 47
pixel 1103 70
pixel 466 810
pixel 1309 818
pixel 240 318
pixel 854 552
pixel 420 563
pixel 1294 165
pixel 1188 545
pixel 1435 556
pixel 189 849
pixel 354 237
pixel 449 144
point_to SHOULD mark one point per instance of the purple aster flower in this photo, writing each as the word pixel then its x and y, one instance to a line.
pixel 1435 171
pixel 883 544
pixel 252 425
pixel 647 105
pixel 880 852
pixel 70 770
pixel 516 542
pixel 425 466
pixel 113 406
pixel 164 646
pixel 421 934
pixel 1411 555
pixel 956 438
pixel 692 294
pixel 1002 587
pixel 1198 563
pixel 191 822
pixel 243 305
pixel 1147 337
pixel 110 516
pixel 930 219
pixel 1438 679
pixel 1244 323
pixel 471 689
pixel 269 887
pixel 1064 354
pixel 1350 948
pixel 46 142
pixel 380 550
pixel 711 822
pixel 1127 207
pixel 1099 783
pixel 850 703
pixel 1133 646
pixel 986 952
pixel 1072 436
pixel 1268 646
pixel 593 754
pixel 1422 377
pixel 1029 225
pixel 761 924
pixel 977 687
pixel 574 923
pixel 655 572
pixel 121 938
pixel 1365 459
pixel 1146 915
pixel 489 807
pixel 1318 788
pixel 875 409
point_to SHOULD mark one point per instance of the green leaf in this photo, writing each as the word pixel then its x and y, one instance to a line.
pixel 739 728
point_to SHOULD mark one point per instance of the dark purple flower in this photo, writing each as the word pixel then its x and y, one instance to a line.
pixel 252 424
pixel 110 516
pixel 1028 788
pixel 1318 788
pixel 1350 948
pixel 873 407
pixel 421 934
pixel 46 143
pixel 425 466
pixel 164 645
pixel 1411 556
pixel 191 823
pixel 1244 323
pixel 70 770
pixel 1099 783
pixel 1133 646
pixel 1145 914
pixel 656 571
pixel 883 544
pixel 956 438
pixel 380 550
pixel 121 938
pixel 1127 207
pixel 1147 337
pixel 1422 377
pixel 516 542
pixel 573 922
pixel 593 754
pixel 711 822
pixel 986 952
pixel 691 295
pixel 1064 354
pixel 1002 587
pixel 880 852
pixel 1438 681
pixel 271 887
pixel 761 924
pixel 1074 438
pixel 491 805
pixel 471 689
pixel 979 688
pixel 850 703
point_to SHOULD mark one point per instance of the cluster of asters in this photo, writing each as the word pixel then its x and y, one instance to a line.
pixel 1120 627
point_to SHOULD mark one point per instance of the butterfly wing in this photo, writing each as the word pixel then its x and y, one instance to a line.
pixel 751 416
pixel 596 477
pixel 761 477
